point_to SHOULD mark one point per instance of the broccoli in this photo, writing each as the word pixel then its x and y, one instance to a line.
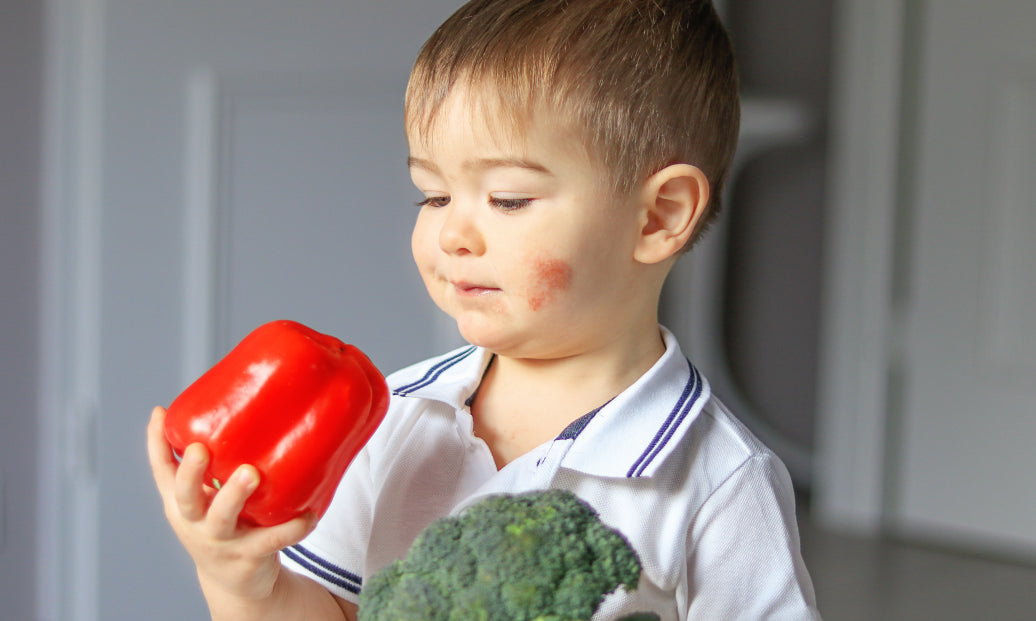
pixel 539 556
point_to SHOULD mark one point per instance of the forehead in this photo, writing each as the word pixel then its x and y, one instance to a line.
pixel 467 113
pixel 480 119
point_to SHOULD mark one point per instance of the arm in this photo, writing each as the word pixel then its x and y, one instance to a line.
pixel 293 597
pixel 743 553
pixel 238 566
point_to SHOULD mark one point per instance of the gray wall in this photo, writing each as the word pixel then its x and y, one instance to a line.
pixel 21 46
pixel 773 287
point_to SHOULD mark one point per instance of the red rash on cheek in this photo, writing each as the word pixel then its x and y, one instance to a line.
pixel 551 276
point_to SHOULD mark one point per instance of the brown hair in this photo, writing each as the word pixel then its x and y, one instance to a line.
pixel 645 83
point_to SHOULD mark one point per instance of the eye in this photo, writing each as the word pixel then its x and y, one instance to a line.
pixel 434 201
pixel 509 204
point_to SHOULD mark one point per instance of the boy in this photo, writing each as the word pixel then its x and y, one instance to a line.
pixel 568 153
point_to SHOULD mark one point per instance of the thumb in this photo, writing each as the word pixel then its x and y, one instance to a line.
pixel 266 541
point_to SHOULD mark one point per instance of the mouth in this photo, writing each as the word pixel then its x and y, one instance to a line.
pixel 468 289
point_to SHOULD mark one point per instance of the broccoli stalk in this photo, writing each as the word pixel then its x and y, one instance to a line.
pixel 539 556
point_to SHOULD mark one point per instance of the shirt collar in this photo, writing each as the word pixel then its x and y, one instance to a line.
pixel 630 436
pixel 451 378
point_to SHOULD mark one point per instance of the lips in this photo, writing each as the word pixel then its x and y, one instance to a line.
pixel 471 289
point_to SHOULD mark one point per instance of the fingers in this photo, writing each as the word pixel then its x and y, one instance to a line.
pixel 188 487
pixel 185 488
pixel 159 454
pixel 227 504
pixel 189 499
pixel 267 541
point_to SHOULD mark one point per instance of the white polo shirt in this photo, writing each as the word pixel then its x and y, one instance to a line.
pixel 708 508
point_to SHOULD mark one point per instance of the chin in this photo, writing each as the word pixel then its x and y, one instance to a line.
pixel 479 337
pixel 489 337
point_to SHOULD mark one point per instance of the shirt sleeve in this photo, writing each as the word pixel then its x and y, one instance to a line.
pixel 744 558
pixel 334 554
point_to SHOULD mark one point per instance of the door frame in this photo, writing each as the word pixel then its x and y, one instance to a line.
pixel 69 340
pixel 855 445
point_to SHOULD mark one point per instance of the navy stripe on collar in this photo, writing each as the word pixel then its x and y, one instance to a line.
pixel 324 569
pixel 692 390
pixel 575 427
pixel 434 372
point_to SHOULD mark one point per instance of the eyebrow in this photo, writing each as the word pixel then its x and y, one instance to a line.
pixel 482 164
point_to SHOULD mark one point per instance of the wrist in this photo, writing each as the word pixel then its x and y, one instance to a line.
pixel 229 600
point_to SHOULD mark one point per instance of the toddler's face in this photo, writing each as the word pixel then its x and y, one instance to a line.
pixel 521 241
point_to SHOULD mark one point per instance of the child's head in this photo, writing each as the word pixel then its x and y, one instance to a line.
pixel 642 83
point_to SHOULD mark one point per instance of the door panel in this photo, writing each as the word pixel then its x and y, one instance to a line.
pixel 315 209
pixel 252 166
pixel 965 458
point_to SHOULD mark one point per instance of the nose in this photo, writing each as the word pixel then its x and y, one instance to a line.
pixel 460 233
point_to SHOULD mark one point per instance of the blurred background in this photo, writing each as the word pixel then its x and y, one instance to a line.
pixel 172 174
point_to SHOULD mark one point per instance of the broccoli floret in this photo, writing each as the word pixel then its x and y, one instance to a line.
pixel 539 556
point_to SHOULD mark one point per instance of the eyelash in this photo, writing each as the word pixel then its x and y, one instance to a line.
pixel 503 204
pixel 434 201
pixel 510 204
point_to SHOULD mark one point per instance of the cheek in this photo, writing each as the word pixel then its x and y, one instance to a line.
pixel 419 243
pixel 550 276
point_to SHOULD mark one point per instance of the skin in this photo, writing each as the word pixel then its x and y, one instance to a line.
pixel 552 276
pixel 520 242
pixel 238 567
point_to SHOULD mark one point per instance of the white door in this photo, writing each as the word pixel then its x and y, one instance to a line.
pixel 964 465
pixel 216 165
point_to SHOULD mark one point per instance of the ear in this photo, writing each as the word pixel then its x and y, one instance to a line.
pixel 671 203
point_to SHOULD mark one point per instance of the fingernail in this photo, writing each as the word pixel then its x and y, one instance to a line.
pixel 246 477
pixel 194 454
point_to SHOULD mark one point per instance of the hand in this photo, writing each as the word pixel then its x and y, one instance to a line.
pixel 235 562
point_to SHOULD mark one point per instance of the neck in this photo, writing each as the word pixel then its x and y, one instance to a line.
pixel 523 402
pixel 606 369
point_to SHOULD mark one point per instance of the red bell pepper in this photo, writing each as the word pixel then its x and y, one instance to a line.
pixel 296 404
